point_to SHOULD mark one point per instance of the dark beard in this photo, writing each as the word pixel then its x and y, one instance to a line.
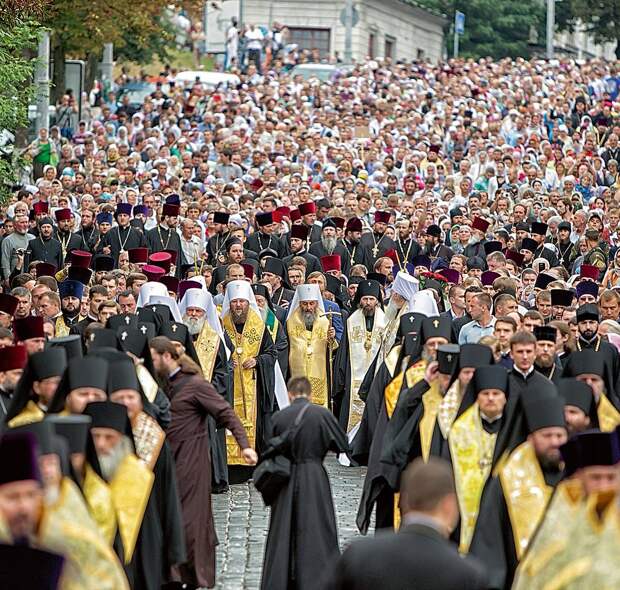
pixel 588 334
pixel 544 364
pixel 308 318
pixel 368 311
pixel 549 464
pixel 239 318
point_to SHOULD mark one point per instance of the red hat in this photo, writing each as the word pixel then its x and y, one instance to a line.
pixel 249 271
pixel 8 303
pixel 13 357
pixel 80 258
pixel 138 255
pixel 354 224
pixel 63 214
pixel 451 275
pixel 186 285
pixel 172 283
pixel 153 273
pixel 41 207
pixel 480 224
pixel 307 208
pixel 284 211
pixel 174 254
pixel 276 216
pixel 330 262
pixel 28 327
pixel 161 259
pixel 589 271
pixel 339 221
pixel 382 216
pixel 45 269
pixel 391 254
pixel 295 215
pixel 256 184
pixel 170 210
pixel 515 256
pixel 300 232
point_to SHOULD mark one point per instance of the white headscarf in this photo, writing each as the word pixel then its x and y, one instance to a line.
pixel 238 290
pixel 203 300
pixel 424 302
pixel 148 289
pixel 168 301
pixel 407 287
pixel 306 293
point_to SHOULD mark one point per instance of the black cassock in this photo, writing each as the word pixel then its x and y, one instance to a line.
pixel 122 238
pixel 377 245
pixel 317 249
pixel 303 538
pixel 355 254
pixel 259 241
pixel 45 251
pixel 89 237
pixel 493 541
pixel 160 238
pixel 161 542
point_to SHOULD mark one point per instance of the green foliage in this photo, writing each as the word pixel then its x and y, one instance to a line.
pixel 144 48
pixel 18 39
pixel 493 28
pixel 600 18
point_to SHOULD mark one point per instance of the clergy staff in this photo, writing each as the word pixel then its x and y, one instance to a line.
pixel 253 359
pixel 472 440
pixel 515 499
pixel 53 514
pixel 361 341
pixel 303 539
pixel 312 341
pixel 192 400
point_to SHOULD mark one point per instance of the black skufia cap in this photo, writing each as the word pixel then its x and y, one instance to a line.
pixel 103 338
pixel 410 323
pixel 577 393
pixel 491 377
pixel 543 280
pixel 447 358
pixel 51 362
pixel 585 361
pixel 74 429
pixel 25 568
pixel 44 434
pixel 474 356
pixel 368 288
pixel 589 311
pixel 71 343
pixel 122 376
pixel 109 415
pixel 545 333
pixel 436 327
pixel 597 448
pixel 103 263
pixel 163 312
pixel 122 320
pixel 174 331
pixel 89 371
pixel 543 410
pixel 276 267
pixel 529 244
pixel 561 297
pixel 133 340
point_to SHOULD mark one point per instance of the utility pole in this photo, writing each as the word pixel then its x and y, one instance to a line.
pixel 550 27
pixel 241 14
pixel 348 32
pixel 42 77
pixel 456 44
pixel 107 63
pixel 459 29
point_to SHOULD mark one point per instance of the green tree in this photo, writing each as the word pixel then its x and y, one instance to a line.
pixel 19 32
pixel 600 19
pixel 500 28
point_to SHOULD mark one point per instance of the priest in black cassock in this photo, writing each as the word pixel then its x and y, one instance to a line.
pixel 297 244
pixel 303 538
pixel 164 237
pixel 515 499
pixel 45 247
pixel 216 243
pixel 356 252
pixel 122 237
pixel 264 238
pixel 68 240
pixel 328 245
pixel 274 271
pixel 376 241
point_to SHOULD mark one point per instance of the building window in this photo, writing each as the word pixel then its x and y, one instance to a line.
pixel 311 39
pixel 420 54
pixel 390 43
pixel 371 45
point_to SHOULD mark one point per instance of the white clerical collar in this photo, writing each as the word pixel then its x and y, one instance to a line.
pixel 524 375
pixel 173 373
pixel 490 420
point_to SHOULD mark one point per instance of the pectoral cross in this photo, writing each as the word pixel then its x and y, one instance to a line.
pixel 375 251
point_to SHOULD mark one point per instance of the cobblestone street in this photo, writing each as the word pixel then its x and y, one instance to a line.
pixel 241 520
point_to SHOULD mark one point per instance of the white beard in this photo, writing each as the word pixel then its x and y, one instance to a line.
pixel 263 313
pixel 329 244
pixel 194 325
pixel 109 463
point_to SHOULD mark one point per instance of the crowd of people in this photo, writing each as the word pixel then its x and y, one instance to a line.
pixel 413 266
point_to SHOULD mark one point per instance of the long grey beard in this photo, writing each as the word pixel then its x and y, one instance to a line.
pixel 308 318
pixel 329 244
pixel 263 313
pixel 194 325
pixel 109 463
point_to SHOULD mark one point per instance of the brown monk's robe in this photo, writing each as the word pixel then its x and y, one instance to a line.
pixel 192 400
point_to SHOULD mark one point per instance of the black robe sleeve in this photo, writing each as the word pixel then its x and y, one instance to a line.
pixel 281 345
pixel 341 369
pixel 265 388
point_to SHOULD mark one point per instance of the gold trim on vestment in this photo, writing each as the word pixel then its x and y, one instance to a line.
pixel 207 346
pixel 148 384
pixel 29 415
pixel 471 450
pixel 99 500
pixel 526 494
pixel 608 416
pixel 246 346
pixel 149 438
pixel 308 354
pixel 430 400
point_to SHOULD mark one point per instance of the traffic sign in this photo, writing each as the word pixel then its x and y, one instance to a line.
pixel 459 22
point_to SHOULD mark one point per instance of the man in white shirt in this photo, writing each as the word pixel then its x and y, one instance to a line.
pixel 254 45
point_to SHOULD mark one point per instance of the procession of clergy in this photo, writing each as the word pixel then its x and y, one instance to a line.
pixel 117 427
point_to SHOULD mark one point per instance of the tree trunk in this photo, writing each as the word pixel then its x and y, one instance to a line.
pixel 618 47
pixel 58 75
pixel 92 69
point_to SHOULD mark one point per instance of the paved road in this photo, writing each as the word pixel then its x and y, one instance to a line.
pixel 241 520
